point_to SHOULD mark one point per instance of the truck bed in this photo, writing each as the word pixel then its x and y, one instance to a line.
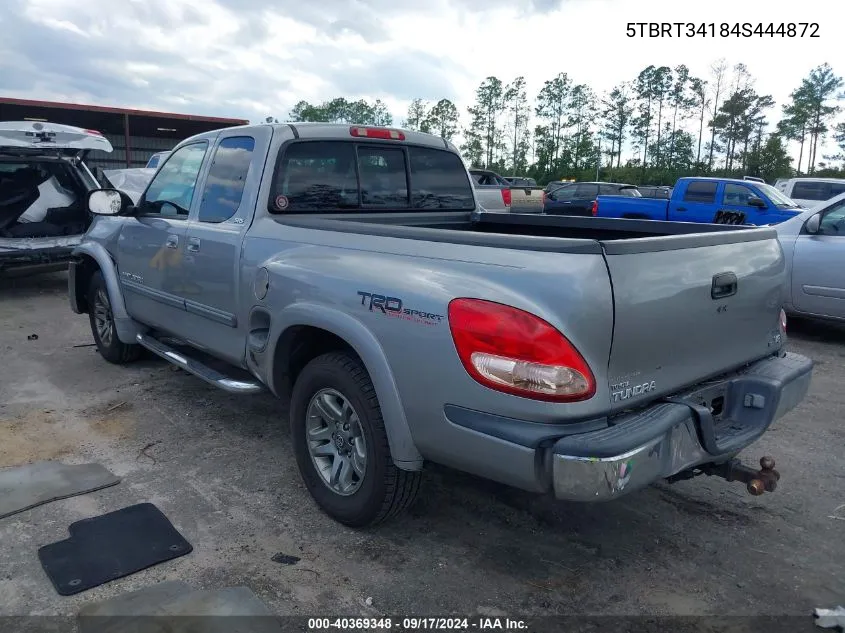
pixel 689 301
pixel 534 232
pixel 632 208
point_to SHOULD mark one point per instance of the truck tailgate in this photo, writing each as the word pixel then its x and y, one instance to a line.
pixel 689 307
pixel 524 200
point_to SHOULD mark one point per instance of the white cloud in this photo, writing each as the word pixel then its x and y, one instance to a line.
pixel 252 58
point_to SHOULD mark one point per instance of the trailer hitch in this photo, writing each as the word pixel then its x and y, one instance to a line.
pixel 756 481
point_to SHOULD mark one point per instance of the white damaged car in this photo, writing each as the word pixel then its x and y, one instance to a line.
pixel 44 183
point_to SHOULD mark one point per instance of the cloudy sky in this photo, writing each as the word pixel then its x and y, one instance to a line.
pixel 253 58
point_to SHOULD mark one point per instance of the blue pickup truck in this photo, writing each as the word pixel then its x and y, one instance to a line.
pixel 707 200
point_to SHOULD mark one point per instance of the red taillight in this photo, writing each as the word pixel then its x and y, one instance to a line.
pixel 595 208
pixel 377 132
pixel 93 132
pixel 783 320
pixel 506 197
pixel 510 350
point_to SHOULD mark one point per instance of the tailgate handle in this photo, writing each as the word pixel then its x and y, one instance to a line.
pixel 724 285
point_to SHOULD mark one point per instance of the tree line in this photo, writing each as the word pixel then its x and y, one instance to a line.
pixel 663 124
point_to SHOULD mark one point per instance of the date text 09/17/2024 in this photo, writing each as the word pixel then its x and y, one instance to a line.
pixel 722 29
pixel 408 624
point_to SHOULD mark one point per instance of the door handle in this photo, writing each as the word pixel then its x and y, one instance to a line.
pixel 193 245
pixel 680 208
pixel 172 241
pixel 724 285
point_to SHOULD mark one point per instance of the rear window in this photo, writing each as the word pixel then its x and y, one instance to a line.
pixel 701 191
pixel 331 176
pixel 809 190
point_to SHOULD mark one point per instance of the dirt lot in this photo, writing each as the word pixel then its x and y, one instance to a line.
pixel 221 468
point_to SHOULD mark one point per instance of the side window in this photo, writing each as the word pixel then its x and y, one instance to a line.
pixel 608 190
pixel 836 188
pixel 171 191
pixel 811 190
pixel 226 179
pixel 586 192
pixel 563 193
pixel 833 220
pixel 701 191
pixel 737 195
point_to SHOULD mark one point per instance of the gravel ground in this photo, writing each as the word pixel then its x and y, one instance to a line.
pixel 221 468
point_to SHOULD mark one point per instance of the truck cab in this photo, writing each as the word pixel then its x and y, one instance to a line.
pixel 738 201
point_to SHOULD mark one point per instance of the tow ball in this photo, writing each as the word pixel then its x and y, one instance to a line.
pixel 756 481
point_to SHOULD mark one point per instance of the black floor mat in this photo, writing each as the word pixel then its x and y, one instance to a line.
pixel 111 546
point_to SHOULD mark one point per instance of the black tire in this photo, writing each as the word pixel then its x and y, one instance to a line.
pixel 384 490
pixel 99 308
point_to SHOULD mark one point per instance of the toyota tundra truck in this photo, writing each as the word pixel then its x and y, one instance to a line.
pixel 351 272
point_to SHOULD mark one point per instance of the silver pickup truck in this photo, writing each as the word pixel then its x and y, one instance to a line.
pixel 350 270
pixel 519 197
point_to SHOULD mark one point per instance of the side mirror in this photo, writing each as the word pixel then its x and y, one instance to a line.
pixel 759 203
pixel 108 202
pixel 813 224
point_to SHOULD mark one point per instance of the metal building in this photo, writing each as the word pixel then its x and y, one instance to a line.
pixel 135 135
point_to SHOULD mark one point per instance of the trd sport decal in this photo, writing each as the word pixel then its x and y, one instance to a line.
pixel 393 306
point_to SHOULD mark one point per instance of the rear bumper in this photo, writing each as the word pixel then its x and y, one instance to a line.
pixel 679 433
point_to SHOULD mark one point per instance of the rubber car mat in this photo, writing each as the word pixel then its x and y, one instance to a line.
pixel 25 487
pixel 174 607
pixel 111 546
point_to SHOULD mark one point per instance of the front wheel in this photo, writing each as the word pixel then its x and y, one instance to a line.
pixel 341 444
pixel 102 325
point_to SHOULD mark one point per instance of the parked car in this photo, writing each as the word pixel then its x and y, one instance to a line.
pixel 578 198
pixel 491 190
pixel 712 200
pixel 352 272
pixel 520 198
pixel 44 182
pixel 814 246
pixel 809 192
pixel 661 192
pixel 156 160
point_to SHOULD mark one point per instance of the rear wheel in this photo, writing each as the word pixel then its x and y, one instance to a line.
pixel 341 444
pixel 102 324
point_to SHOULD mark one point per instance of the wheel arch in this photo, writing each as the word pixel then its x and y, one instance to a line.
pixel 308 331
pixel 88 258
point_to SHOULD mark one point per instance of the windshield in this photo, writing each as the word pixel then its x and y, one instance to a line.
pixel 777 197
